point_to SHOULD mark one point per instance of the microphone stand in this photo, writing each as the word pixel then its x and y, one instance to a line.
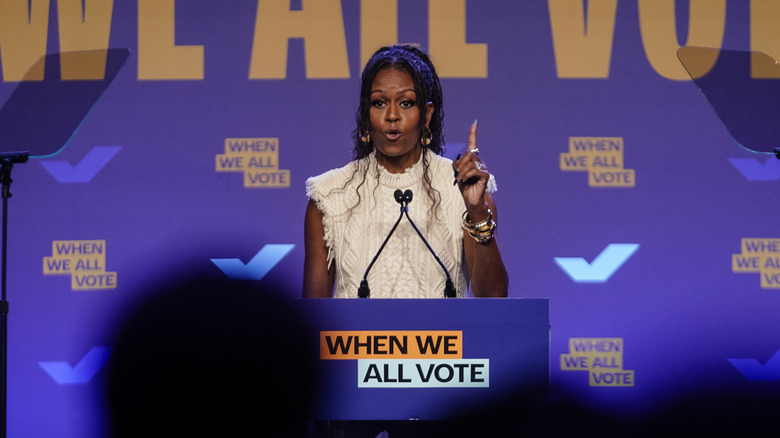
pixel 5 179
pixel 363 290
pixel 449 288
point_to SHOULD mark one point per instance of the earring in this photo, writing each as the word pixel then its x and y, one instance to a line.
pixel 365 138
pixel 427 137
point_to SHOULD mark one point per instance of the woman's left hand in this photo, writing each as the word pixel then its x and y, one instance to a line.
pixel 483 259
pixel 471 175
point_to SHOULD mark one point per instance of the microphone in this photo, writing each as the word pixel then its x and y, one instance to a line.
pixel 363 290
pixel 14 157
pixel 449 288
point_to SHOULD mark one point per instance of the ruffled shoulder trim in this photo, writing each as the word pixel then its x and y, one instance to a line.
pixel 333 197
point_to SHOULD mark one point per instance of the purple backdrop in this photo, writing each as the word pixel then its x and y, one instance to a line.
pixel 141 184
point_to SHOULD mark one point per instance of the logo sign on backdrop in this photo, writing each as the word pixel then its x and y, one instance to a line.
pixel 759 256
pixel 257 159
pixel 84 261
pixel 602 358
pixel 601 158
pixel 609 161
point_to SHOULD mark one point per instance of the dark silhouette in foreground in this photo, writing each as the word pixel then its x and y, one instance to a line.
pixel 212 357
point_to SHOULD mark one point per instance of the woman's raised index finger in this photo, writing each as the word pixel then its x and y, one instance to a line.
pixel 473 136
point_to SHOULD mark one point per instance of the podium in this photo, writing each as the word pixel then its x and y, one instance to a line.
pixel 426 359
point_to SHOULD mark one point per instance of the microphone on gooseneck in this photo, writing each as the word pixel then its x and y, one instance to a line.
pixel 363 290
pixel 449 288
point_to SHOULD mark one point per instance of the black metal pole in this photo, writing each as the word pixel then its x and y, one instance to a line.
pixel 5 179
pixel 6 164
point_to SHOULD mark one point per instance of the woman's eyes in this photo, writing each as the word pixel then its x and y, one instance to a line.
pixel 403 104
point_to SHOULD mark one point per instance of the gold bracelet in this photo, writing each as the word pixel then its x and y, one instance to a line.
pixel 485 236
pixel 481 232
pixel 481 226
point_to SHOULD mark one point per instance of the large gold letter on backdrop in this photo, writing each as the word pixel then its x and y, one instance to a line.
pixel 765 36
pixel 82 29
pixel 582 45
pixel 158 55
pixel 23 33
pixel 452 55
pixel 659 33
pixel 378 26
pixel 319 23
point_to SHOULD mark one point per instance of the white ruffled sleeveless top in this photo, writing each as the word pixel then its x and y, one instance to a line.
pixel 359 212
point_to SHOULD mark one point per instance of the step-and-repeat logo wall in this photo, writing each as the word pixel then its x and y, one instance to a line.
pixel 623 197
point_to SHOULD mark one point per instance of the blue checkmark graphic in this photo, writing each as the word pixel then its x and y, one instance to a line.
pixel 86 169
pixel 65 374
pixel 754 170
pixel 752 369
pixel 255 269
pixel 602 267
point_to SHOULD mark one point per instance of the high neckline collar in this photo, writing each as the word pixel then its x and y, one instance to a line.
pixel 408 177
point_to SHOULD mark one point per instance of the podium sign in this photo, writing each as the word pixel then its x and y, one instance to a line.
pixel 385 359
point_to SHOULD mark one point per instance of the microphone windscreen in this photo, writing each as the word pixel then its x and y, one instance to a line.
pixel 408 196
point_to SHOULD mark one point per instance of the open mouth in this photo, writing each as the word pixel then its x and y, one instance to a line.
pixel 392 134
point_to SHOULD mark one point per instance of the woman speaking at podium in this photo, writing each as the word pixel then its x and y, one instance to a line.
pixel 398 147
